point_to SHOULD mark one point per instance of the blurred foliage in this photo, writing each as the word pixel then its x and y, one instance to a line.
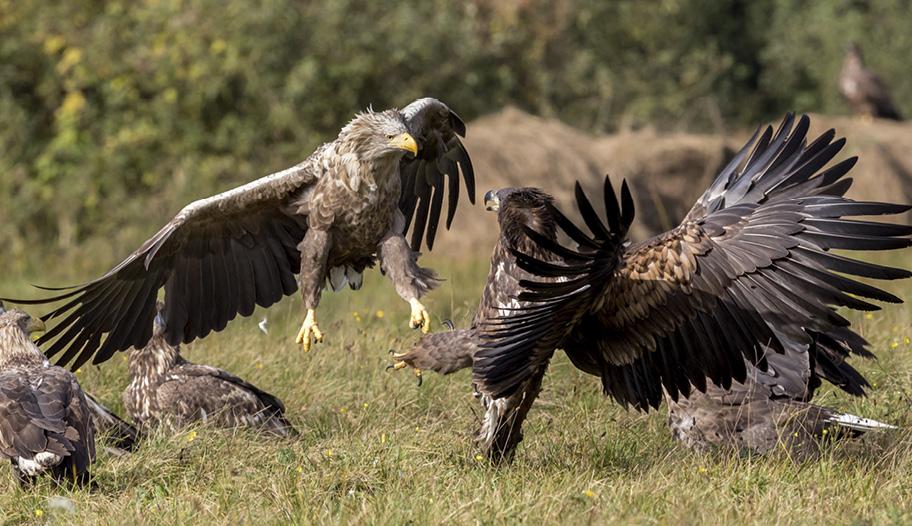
pixel 115 113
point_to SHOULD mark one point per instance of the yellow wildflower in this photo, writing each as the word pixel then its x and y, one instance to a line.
pixel 343 410
pixel 894 344
pixel 479 458
pixel 328 452
pixel 39 512
pixel 191 436
pixel 589 493
pixel 380 314
pixel 383 438
pixel 300 469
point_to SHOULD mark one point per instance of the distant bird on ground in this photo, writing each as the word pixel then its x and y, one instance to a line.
pixel 327 219
pixel 168 391
pixel 771 408
pixel 748 273
pixel 864 89
pixel 449 351
pixel 110 428
pixel 45 421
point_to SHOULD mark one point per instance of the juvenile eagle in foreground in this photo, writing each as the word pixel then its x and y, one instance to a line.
pixel 168 391
pixel 449 351
pixel 864 89
pixel 325 219
pixel 45 421
pixel 749 272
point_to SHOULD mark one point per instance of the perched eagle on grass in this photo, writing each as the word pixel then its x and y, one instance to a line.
pixel 45 421
pixel 168 391
pixel 325 219
pixel 449 351
pixel 771 407
pixel 748 273
pixel 865 90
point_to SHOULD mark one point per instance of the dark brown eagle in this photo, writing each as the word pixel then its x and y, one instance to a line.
pixel 771 407
pixel 325 219
pixel 864 89
pixel 168 391
pixel 449 351
pixel 45 421
pixel 749 272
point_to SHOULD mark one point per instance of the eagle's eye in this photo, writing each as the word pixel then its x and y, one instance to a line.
pixel 389 135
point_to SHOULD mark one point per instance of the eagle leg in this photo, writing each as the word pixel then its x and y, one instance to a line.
pixel 399 364
pixel 309 329
pixel 420 317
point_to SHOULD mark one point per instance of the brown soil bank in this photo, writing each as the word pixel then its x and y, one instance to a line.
pixel 667 172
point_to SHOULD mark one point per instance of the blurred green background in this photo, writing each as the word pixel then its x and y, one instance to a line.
pixel 116 113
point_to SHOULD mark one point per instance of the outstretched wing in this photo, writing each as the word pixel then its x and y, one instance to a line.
pixel 440 158
pixel 219 257
pixel 749 269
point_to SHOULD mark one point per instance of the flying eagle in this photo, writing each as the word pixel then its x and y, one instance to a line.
pixel 772 406
pixel 168 391
pixel 45 421
pixel 325 219
pixel 749 272
pixel 449 351
pixel 864 89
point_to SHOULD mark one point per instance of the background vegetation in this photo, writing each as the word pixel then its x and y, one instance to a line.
pixel 116 112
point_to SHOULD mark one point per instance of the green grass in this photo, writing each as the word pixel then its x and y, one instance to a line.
pixel 375 448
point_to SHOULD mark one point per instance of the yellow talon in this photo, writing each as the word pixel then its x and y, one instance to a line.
pixel 420 317
pixel 309 329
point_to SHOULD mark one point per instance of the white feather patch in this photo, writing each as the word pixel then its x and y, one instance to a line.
pixel 858 423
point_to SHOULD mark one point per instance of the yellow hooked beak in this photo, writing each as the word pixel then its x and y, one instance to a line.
pixel 35 325
pixel 405 141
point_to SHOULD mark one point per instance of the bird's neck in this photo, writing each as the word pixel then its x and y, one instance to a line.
pixel 155 359
pixel 17 349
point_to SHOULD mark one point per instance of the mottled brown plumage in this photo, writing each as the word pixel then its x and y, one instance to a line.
pixel 864 89
pixel 45 423
pixel 772 408
pixel 450 351
pixel 167 391
pixel 326 219
pixel 748 273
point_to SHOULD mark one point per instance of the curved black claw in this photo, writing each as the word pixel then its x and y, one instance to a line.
pixel 449 324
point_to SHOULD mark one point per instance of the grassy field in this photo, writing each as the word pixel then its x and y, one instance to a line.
pixel 375 448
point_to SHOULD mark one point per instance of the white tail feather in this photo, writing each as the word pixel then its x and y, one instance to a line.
pixel 858 423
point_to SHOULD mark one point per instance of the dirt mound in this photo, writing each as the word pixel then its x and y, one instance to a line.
pixel 667 172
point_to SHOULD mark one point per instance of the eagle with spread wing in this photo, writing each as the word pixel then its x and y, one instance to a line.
pixel 45 421
pixel 749 272
pixel 449 351
pixel 326 219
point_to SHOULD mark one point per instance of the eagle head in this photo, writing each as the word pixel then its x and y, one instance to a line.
pixel 521 207
pixel 378 135
pixel 21 320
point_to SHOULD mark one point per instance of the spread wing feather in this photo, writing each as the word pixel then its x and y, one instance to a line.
pixel 219 257
pixel 435 170
pixel 747 272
